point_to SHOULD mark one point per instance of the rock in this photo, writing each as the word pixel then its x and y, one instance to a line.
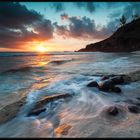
pixel 112 111
pixel 117 79
pixel 10 111
pixel 106 85
pixel 138 104
pixel 62 129
pixel 116 89
pixel 93 84
pixel 36 112
pixel 41 103
pixel 138 98
pixel 133 109
pixel 105 77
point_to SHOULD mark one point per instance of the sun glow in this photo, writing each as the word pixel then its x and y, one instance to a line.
pixel 41 47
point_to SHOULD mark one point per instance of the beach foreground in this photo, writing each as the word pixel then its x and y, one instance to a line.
pixel 47 95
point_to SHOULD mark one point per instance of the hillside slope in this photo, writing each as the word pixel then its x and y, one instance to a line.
pixel 125 39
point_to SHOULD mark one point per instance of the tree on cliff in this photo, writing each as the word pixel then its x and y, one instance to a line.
pixel 123 20
pixel 135 16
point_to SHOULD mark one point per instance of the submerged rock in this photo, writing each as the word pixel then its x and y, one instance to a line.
pixel 39 106
pixel 134 109
pixel 36 112
pixel 93 84
pixel 116 89
pixel 113 110
pixel 62 129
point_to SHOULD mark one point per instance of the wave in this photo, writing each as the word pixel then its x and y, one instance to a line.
pixel 59 62
pixel 12 54
pixel 21 69
pixel 6 54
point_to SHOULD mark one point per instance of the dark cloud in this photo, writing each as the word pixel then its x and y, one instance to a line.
pixel 44 29
pixel 15 21
pixel 58 6
pixel 61 30
pixel 83 28
pixel 14 15
pixel 89 6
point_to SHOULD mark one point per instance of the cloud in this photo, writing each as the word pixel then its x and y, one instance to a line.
pixel 89 6
pixel 16 20
pixel 44 28
pixel 14 15
pixel 61 30
pixel 81 28
pixel 64 16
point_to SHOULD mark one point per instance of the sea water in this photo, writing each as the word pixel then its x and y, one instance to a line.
pixel 44 74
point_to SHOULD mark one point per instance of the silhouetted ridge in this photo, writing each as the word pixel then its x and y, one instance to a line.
pixel 125 39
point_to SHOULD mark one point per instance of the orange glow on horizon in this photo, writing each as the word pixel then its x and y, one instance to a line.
pixel 56 44
pixel 41 47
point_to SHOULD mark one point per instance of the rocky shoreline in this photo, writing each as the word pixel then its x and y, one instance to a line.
pixel 10 111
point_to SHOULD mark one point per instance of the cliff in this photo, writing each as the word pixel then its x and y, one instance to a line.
pixel 125 39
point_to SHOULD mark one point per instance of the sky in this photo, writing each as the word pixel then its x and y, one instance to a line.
pixel 59 26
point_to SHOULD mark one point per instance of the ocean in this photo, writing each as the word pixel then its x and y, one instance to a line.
pixel 37 75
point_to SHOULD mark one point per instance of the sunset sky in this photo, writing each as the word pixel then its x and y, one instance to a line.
pixel 59 26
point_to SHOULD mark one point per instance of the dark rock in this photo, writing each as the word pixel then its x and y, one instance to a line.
pixel 116 89
pixel 41 103
pixel 93 84
pixel 36 112
pixel 138 104
pixel 112 111
pixel 106 85
pixel 10 111
pixel 138 98
pixel 134 109
pixel 105 77
pixel 117 80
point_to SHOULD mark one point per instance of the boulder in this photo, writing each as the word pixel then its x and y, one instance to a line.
pixel 138 98
pixel 106 85
pixel 93 84
pixel 134 108
pixel 113 110
pixel 105 77
pixel 117 80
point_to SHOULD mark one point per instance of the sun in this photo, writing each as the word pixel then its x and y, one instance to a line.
pixel 41 48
